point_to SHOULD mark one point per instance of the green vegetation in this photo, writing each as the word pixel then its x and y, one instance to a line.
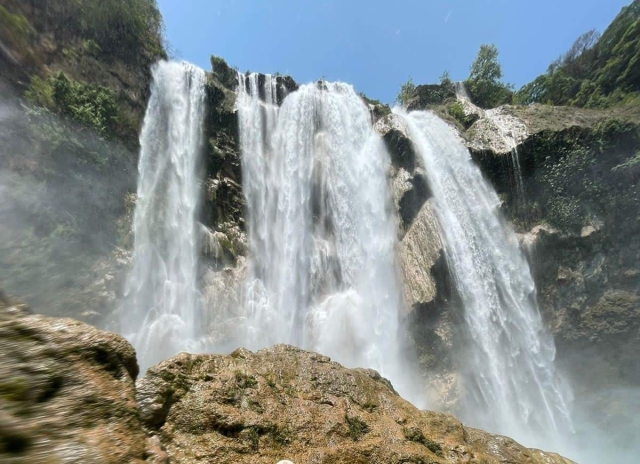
pixel 227 75
pixel 585 175
pixel 357 427
pixel 456 111
pixel 117 27
pixel 597 71
pixel 245 381
pixel 445 80
pixel 91 105
pixel 406 92
pixel 14 28
pixel 416 435
pixel 484 82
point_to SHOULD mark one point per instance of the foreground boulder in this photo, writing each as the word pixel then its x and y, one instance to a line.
pixel 67 395
pixel 284 403
pixel 67 392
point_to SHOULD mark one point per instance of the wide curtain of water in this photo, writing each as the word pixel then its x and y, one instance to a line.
pixel 321 227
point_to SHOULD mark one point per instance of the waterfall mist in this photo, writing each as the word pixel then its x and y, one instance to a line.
pixel 321 227
pixel 161 315
pixel 510 385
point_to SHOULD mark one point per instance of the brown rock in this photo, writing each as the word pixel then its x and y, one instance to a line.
pixel 284 403
pixel 66 393
pixel 418 252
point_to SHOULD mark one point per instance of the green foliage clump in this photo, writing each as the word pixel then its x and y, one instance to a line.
pixel 226 74
pixel 416 435
pixel 91 105
pixel 407 91
pixel 484 83
pixel 357 427
pixel 597 71
pixel 445 80
pixel 245 381
pixel 456 111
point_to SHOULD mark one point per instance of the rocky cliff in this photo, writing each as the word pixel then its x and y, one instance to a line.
pixel 74 80
pixel 67 394
pixel 568 178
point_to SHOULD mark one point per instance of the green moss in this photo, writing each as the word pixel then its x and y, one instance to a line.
pixel 414 434
pixel 632 163
pixel 456 111
pixel 13 389
pixel 91 47
pixel 245 381
pixel 253 437
pixel 281 435
pixel 14 27
pixel 357 427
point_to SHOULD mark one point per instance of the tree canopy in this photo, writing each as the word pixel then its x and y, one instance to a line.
pixel 597 71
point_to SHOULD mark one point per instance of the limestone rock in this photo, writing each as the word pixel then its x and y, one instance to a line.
pixel 408 182
pixel 286 404
pixel 418 252
pixel 66 392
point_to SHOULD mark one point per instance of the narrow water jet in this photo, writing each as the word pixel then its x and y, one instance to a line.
pixel 322 232
pixel 510 385
pixel 160 316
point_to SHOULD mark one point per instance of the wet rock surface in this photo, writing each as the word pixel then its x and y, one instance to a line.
pixel 285 403
pixel 67 392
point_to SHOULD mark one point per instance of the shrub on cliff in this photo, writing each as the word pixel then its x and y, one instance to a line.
pixel 406 92
pixel 91 105
pixel 484 83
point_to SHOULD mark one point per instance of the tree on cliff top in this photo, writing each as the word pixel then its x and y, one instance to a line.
pixel 484 81
pixel 406 92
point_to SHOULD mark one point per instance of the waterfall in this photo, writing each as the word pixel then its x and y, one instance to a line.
pixel 161 314
pixel 322 232
pixel 461 91
pixel 509 382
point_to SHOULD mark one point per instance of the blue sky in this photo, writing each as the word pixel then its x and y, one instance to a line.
pixel 377 44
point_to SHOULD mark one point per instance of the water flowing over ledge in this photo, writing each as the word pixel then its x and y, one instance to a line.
pixel 161 317
pixel 509 381
pixel 322 233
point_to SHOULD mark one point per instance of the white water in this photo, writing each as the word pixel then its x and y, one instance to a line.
pixel 321 227
pixel 161 313
pixel 509 382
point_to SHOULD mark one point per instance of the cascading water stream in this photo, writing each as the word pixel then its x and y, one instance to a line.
pixel 509 382
pixel 321 229
pixel 162 300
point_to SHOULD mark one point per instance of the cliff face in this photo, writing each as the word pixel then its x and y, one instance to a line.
pixel 578 210
pixel 67 393
pixel 67 181
pixel 74 80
